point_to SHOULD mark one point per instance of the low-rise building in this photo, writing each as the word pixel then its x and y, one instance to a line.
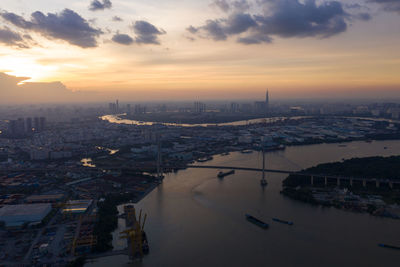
pixel 19 215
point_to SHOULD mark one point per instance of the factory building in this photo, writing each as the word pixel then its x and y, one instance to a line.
pixel 77 206
pixel 19 215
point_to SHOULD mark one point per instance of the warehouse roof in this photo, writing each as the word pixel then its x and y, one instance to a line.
pixel 24 209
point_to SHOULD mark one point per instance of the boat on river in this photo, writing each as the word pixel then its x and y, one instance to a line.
pixel 257 221
pixel 204 159
pixel 389 246
pixel 223 174
pixel 282 221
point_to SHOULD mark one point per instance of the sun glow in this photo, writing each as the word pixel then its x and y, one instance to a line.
pixel 26 67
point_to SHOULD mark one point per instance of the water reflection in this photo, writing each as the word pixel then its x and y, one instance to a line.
pixel 118 120
pixel 87 162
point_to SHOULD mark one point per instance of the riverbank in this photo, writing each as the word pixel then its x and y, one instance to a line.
pixel 380 198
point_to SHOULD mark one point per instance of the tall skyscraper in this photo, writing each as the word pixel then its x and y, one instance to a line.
pixel 267 99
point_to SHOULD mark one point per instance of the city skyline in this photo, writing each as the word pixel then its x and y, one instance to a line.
pixel 151 51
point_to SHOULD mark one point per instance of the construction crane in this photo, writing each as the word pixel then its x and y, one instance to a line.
pixel 137 240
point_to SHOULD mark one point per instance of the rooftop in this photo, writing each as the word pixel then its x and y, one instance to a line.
pixel 24 209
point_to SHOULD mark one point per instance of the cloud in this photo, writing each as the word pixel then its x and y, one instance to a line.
pixel 354 6
pixel 192 29
pixel 116 18
pixel 123 39
pixel 220 29
pixel 255 39
pixel 146 33
pixel 68 26
pixel 11 38
pixel 96 5
pixel 388 5
pixel 283 18
pixel 226 6
pixel 292 18
pixel 11 92
pixel 363 16
pixel 222 4
pixel 214 29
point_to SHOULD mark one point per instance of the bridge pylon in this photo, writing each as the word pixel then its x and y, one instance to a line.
pixel 263 181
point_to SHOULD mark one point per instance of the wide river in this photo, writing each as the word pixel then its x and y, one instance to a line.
pixel 196 219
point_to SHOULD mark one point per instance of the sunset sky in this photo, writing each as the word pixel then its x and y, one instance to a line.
pixel 172 49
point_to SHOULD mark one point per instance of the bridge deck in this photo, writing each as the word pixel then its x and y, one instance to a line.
pixel 292 172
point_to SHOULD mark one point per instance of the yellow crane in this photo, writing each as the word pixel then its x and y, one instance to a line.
pixel 137 241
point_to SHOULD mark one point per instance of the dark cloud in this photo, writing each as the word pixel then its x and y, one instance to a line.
pixel 292 18
pixel 192 29
pixel 123 39
pixel 363 16
pixel 17 20
pixel 388 5
pixel 96 5
pixel 222 4
pixel 219 30
pixel 215 30
pixel 239 22
pixel 146 33
pixel 283 18
pixel 226 6
pixel 11 38
pixel 116 18
pixel 67 25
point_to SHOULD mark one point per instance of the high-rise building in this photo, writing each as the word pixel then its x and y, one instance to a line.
pixel 267 99
pixel 139 109
pixel 199 107
pixel 234 107
pixel 17 128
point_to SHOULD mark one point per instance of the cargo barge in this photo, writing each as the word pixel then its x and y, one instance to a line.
pixel 282 221
pixel 388 246
pixel 223 174
pixel 257 221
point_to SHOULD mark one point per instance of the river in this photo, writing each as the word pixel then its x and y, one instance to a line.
pixel 196 219
pixel 118 120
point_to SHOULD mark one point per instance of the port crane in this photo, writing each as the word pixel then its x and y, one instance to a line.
pixel 137 240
